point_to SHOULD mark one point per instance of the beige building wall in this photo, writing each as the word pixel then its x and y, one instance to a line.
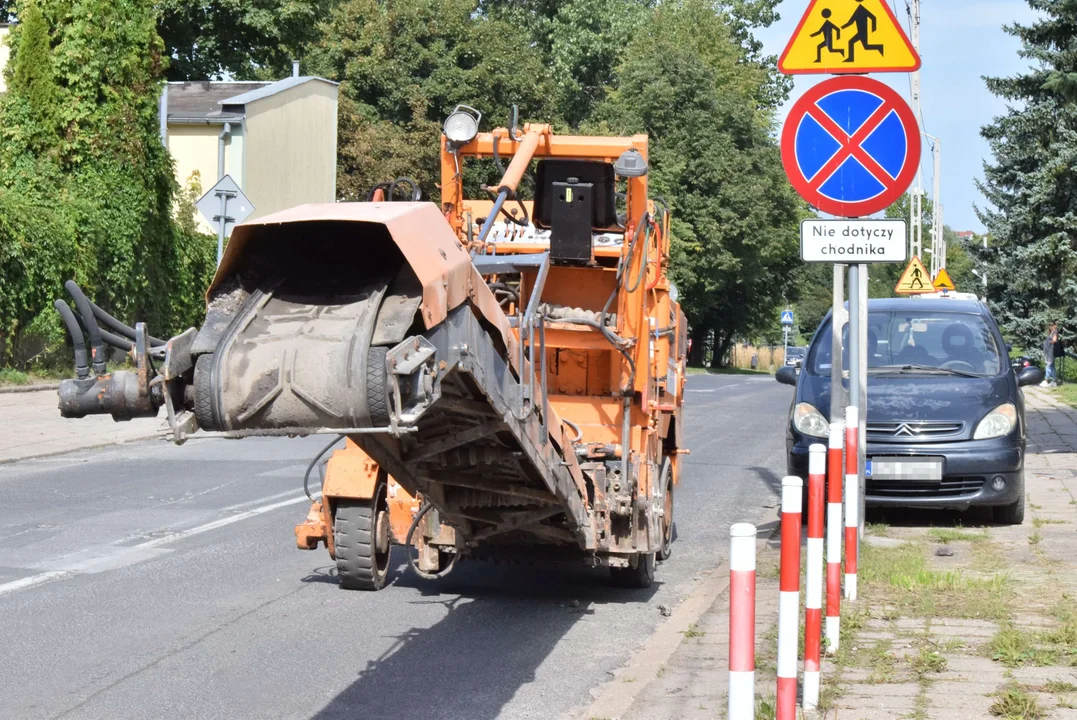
pixel 5 55
pixel 194 147
pixel 294 129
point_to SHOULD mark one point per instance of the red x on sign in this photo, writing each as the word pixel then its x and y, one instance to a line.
pixel 851 146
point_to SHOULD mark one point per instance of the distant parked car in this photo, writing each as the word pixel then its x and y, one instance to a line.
pixel 945 418
pixel 1021 362
pixel 794 356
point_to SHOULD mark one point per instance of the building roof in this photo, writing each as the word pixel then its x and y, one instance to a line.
pixel 270 89
pixel 202 100
pixel 208 101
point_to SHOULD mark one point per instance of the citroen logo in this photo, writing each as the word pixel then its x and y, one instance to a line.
pixel 904 429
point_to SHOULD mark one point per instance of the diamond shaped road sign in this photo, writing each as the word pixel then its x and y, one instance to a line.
pixel 237 207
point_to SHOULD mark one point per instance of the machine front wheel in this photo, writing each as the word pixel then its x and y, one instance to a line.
pixel 667 515
pixel 361 540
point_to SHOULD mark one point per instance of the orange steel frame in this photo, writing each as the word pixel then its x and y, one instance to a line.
pixel 588 378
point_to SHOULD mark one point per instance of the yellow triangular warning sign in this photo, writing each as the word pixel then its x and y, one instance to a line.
pixel 943 281
pixel 915 279
pixel 848 36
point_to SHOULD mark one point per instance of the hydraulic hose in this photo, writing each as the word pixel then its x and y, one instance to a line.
pixel 116 341
pixel 97 345
pixel 82 365
pixel 110 321
pixel 407 546
pixel 321 453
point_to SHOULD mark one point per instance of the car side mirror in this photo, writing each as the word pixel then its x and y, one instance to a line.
pixel 1009 347
pixel 1031 375
pixel 786 375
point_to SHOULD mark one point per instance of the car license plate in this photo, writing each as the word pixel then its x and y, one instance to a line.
pixel 905 468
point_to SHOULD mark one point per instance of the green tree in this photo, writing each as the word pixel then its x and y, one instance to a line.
pixel 100 187
pixel 684 82
pixel 404 65
pixel 1031 185
pixel 242 38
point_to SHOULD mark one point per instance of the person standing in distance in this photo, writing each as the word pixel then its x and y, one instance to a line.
pixel 1049 344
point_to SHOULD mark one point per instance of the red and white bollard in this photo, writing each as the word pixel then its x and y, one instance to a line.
pixel 789 599
pixel 813 601
pixel 833 538
pixel 852 497
pixel 741 622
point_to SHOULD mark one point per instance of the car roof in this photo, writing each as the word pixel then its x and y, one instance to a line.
pixel 925 304
pixel 933 304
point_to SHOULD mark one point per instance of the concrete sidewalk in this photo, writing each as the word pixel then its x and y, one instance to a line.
pixel 964 619
pixel 30 426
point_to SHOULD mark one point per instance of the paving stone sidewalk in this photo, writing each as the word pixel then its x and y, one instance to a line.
pixel 963 619
pixel 30 426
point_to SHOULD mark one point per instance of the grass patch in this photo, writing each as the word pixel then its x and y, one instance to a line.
pixel 766 709
pixel 927 661
pixel 1067 393
pixel 881 662
pixel 900 577
pixel 1012 703
pixel 10 377
pixel 692 632
pixel 949 535
pixel 1040 522
pixel 726 371
pixel 1059 686
pixel 1014 647
pixel 1035 537
pixel 878 529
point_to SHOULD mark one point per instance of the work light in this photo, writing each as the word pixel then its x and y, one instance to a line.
pixel 462 125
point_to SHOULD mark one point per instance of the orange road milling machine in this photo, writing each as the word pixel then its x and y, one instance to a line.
pixel 507 375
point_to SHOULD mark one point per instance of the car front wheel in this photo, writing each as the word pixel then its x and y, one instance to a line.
pixel 1014 513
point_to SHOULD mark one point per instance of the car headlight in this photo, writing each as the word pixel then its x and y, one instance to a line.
pixel 809 421
pixel 1000 421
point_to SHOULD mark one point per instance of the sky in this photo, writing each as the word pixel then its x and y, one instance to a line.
pixel 960 41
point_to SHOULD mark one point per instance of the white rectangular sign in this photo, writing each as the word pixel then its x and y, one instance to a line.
pixel 854 241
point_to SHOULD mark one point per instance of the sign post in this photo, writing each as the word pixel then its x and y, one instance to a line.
pixel 787 324
pixel 224 206
pixel 850 147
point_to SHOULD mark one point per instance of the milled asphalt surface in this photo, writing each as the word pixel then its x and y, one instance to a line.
pixel 133 616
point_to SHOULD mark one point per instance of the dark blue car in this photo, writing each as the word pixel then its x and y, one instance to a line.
pixel 945 418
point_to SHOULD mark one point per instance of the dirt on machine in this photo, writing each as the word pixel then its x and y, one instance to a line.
pixel 506 375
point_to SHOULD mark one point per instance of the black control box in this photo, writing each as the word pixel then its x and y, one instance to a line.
pixel 570 222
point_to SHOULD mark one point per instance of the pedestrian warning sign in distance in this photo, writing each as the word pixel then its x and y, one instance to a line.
pixel 848 36
pixel 914 280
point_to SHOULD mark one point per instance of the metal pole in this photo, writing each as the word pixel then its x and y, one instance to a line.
pixel 221 222
pixel 854 364
pixel 862 384
pixel 984 276
pixel 938 243
pixel 839 316
pixel 916 239
pixel 162 111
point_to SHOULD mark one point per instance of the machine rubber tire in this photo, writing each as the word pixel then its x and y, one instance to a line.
pixel 1012 514
pixel 203 393
pixel 666 548
pixel 359 564
pixel 377 379
pixel 639 577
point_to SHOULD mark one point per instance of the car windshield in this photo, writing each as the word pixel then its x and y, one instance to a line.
pixel 902 341
pixel 795 352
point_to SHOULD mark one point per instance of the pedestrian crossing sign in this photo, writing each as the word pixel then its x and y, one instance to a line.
pixel 943 281
pixel 848 36
pixel 915 279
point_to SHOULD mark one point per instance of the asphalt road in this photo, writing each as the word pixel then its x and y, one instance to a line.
pixel 153 581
